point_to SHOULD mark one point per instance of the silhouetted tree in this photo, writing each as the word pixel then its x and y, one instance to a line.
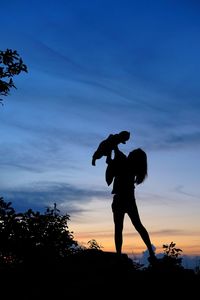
pixel 33 236
pixel 11 64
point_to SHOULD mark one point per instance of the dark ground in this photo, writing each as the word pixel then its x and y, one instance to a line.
pixel 97 275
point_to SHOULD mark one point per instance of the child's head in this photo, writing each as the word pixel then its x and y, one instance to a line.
pixel 124 136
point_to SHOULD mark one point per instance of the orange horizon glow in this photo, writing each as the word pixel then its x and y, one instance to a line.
pixel 97 223
pixel 135 245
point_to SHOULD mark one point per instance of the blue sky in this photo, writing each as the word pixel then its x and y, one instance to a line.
pixel 95 68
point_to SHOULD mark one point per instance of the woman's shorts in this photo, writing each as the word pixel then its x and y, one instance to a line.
pixel 123 203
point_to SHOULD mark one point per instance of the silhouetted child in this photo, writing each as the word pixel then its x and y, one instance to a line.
pixel 106 146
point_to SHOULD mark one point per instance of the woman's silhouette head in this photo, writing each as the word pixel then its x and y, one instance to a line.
pixel 137 160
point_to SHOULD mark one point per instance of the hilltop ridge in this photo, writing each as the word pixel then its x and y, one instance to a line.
pixel 95 273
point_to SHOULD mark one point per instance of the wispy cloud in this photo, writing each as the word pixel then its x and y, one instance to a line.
pixel 167 233
pixel 180 189
pixel 43 194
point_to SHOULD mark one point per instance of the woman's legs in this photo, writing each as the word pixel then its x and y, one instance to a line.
pixel 135 219
pixel 118 223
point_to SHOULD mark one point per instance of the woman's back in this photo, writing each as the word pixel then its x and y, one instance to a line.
pixel 127 171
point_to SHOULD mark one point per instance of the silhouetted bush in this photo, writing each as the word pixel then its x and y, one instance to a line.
pixel 93 244
pixel 172 255
pixel 33 236
pixel 171 260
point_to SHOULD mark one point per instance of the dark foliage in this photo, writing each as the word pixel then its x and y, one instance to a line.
pixel 11 64
pixel 172 255
pixel 93 244
pixel 33 236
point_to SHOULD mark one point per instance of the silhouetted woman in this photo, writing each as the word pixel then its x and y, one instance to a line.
pixel 126 172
